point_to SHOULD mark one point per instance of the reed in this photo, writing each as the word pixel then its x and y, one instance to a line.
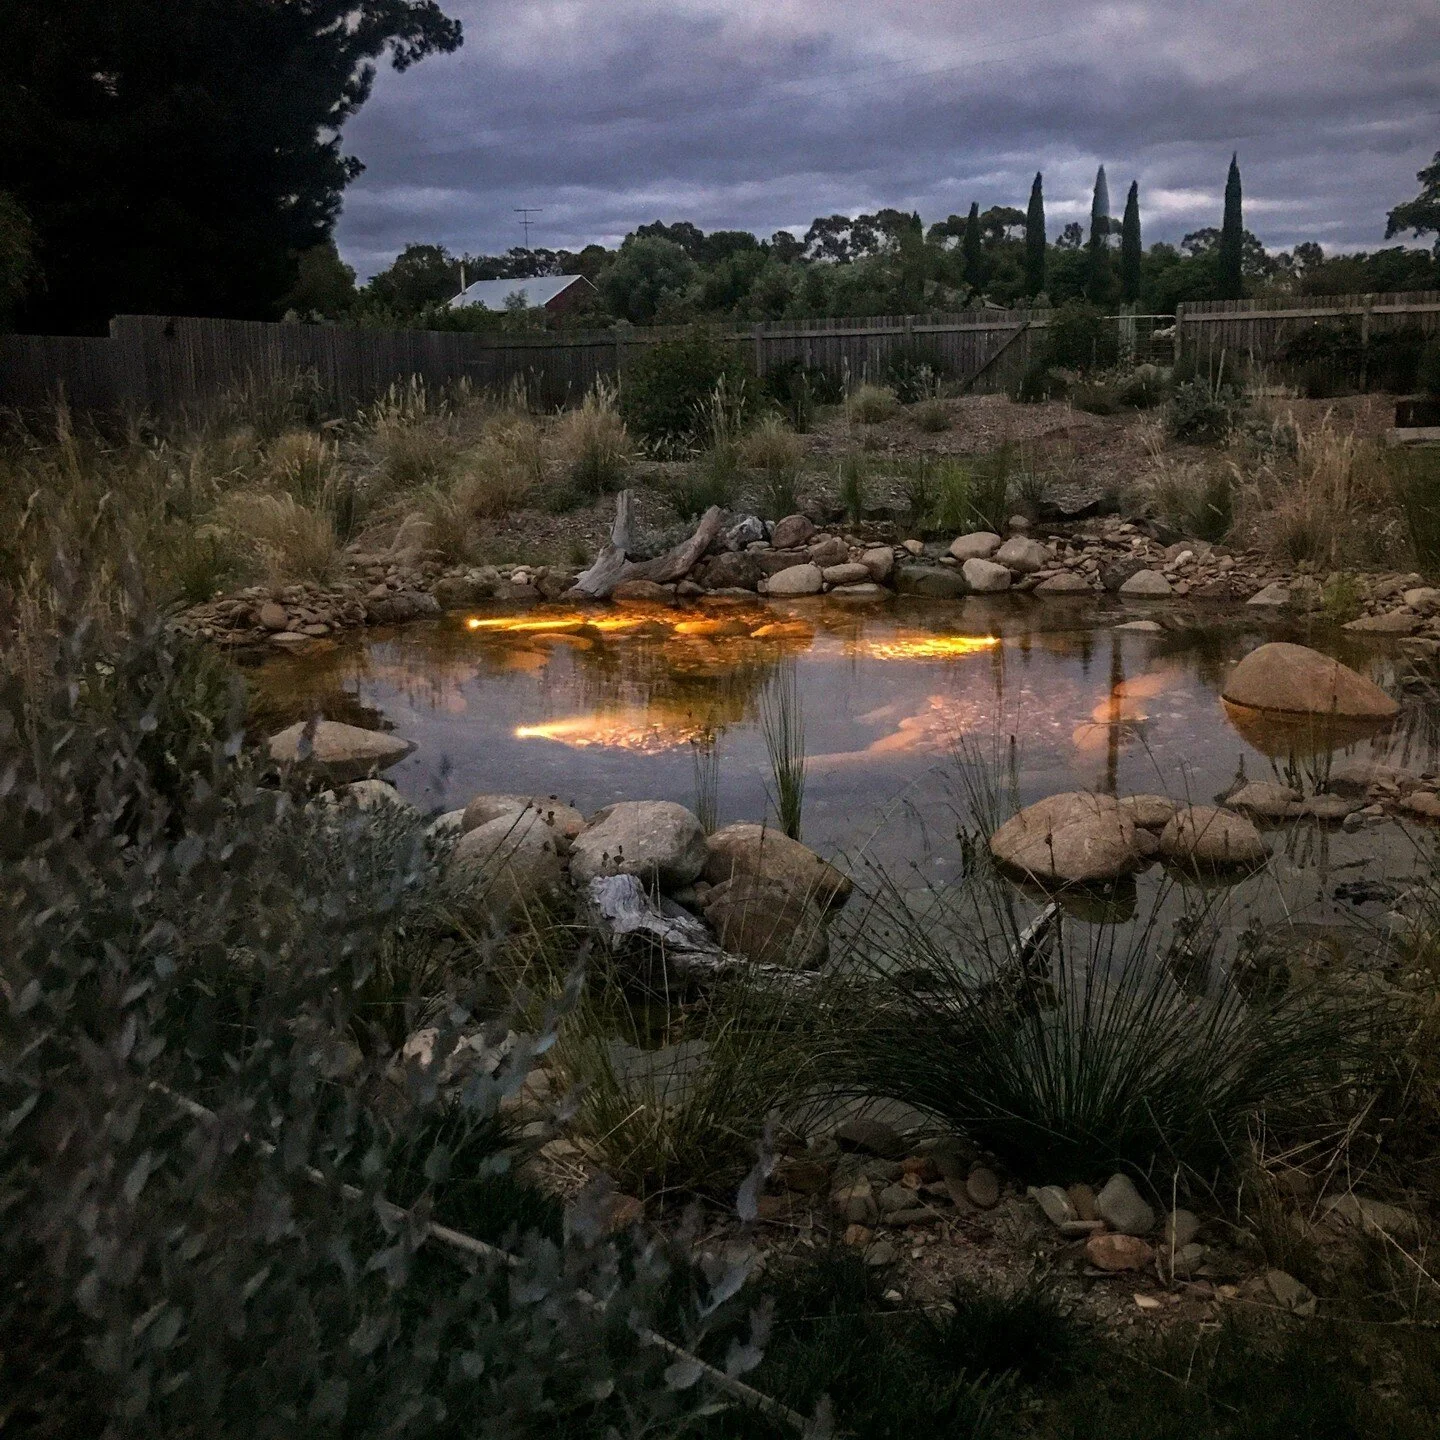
pixel 782 720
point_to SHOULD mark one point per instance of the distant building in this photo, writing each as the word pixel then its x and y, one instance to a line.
pixel 555 293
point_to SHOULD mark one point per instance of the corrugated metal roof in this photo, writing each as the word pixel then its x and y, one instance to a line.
pixel 492 294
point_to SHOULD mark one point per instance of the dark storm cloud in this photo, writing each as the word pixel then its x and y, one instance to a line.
pixel 759 114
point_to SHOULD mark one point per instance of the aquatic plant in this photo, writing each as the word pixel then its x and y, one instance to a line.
pixel 782 721
pixel 705 760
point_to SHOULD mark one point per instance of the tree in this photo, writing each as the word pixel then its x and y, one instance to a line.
pixel 970 249
pixel 785 247
pixel 1232 237
pixel 646 273
pixel 684 233
pixel 421 275
pixel 1131 250
pixel 997 222
pixel 18 271
pixel 1421 215
pixel 1035 239
pixel 324 286
pixel 179 158
pixel 1072 237
pixel 1098 278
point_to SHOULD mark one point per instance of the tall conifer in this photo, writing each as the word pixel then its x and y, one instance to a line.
pixel 970 248
pixel 1035 239
pixel 1130 246
pixel 1097 281
pixel 1232 237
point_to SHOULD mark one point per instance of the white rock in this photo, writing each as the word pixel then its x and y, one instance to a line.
pixel 1023 555
pixel 1275 595
pixel 880 562
pixel 985 577
pixel 656 840
pixel 978 545
pixel 1147 583
pixel 341 753
pixel 797 580
pixel 1074 838
pixel 1065 583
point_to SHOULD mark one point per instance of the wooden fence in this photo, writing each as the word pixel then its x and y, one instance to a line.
pixel 168 367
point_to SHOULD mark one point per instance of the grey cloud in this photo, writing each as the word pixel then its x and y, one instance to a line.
pixel 763 115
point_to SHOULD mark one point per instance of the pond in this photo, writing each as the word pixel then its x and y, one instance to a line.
pixel 634 701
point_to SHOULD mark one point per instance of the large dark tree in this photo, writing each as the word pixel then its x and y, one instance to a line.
pixel 1132 252
pixel 970 250
pixel 1035 239
pixel 1098 278
pixel 1422 214
pixel 178 156
pixel 1232 237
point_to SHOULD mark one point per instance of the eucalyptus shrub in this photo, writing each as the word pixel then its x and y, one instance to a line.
pixel 176 931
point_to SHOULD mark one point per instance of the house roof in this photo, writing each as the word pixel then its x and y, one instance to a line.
pixel 492 294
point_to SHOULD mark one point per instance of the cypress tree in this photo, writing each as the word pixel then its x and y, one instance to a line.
pixel 1035 239
pixel 1232 237
pixel 1097 282
pixel 1130 247
pixel 970 247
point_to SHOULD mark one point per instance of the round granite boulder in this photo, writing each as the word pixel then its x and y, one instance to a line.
pixel 1296 680
pixel 1074 838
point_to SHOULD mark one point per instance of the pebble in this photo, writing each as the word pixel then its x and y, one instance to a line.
pixel 1121 1206
pixel 983 1188
pixel 1118 1252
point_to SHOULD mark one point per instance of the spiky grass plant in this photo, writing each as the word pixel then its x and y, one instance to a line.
pixel 990 488
pixel 852 486
pixel 774 452
pixel 711 480
pixel 1416 479
pixel 871 404
pixel 289 541
pixel 782 721
pixel 930 415
pixel 1104 1061
pixel 593 445
pixel 705 759
pixel 951 509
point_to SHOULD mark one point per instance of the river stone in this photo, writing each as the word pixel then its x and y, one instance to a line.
pixel 1065 583
pixel 734 570
pixel 797 580
pixel 515 858
pixel 985 577
pixel 1297 680
pixel 933 581
pixel 851 572
pixel 645 590
pixel 1423 600
pixel 1149 812
pixel 340 753
pixel 1206 835
pixel 874 1137
pixel 1023 555
pixel 1181 1227
pixel 273 617
pixel 1147 583
pixel 978 545
pixel 772 562
pixel 1397 622
pixel 656 840
pixel 1073 838
pixel 829 550
pixel 746 531
pixel 869 590
pixel 982 1187
pixel 1054 1202
pixel 1114 574
pixel 1267 800
pixel 1118 1252
pixel 767 854
pixel 1275 596
pixel 372 794
pixel 767 923
pixel 563 819
pixel 1145 627
pixel 1122 1207
pixel 879 560
pixel 792 531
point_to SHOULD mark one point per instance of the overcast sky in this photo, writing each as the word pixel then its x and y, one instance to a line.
pixel 762 114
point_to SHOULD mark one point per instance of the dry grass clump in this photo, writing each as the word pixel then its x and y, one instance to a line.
pixel 302 463
pixel 771 447
pixel 871 404
pixel 288 540
pixel 930 415
pixel 593 446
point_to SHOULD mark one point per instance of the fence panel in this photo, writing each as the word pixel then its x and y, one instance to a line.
pixel 37 371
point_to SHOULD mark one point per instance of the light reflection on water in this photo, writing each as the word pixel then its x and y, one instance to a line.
pixel 606 705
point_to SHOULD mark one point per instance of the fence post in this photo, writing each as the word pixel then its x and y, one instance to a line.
pixel 1179 321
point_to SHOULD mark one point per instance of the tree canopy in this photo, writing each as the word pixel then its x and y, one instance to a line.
pixel 180 155
pixel 1421 216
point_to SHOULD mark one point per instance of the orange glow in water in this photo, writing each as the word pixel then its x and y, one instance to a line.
pixel 638 730
pixel 925 647
pixel 513 625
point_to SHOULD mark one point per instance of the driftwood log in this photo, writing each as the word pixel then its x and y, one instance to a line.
pixel 613 566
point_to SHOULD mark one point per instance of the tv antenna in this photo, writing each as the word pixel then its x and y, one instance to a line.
pixel 525 212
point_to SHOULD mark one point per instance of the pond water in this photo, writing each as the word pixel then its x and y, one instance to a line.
pixel 626 702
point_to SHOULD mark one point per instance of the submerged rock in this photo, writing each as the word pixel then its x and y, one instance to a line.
pixel 1149 812
pixel 656 840
pixel 1267 800
pixel 934 581
pixel 1206 835
pixel 1072 838
pixel 339 753
pixel 1296 680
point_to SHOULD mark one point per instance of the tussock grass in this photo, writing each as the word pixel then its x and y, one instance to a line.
pixel 852 486
pixel 712 480
pixel 775 453
pixel 1416 479
pixel 592 445
pixel 288 540
pixel 782 721
pixel 871 404
pixel 930 415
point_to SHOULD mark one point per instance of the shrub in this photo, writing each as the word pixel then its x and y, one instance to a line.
pixel 711 480
pixel 872 404
pixel 930 415
pixel 852 484
pixel 665 388
pixel 797 388
pixel 1080 338
pixel 1142 388
pixel 1107 1064
pixel 1196 500
pixel 1097 397
pixel 915 371
pixel 1040 383
pixel 1427 371
pixel 772 448
pixel 173 1267
pixel 593 444
pixel 1203 412
pixel 1416 479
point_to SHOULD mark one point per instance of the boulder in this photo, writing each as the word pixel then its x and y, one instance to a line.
pixel 340 753
pixel 1117 572
pixel 868 590
pixel 1205 835
pixel 772 562
pixel 1023 555
pixel 1149 812
pixel 372 794
pixel 765 854
pixel 1065 583
pixel 564 819
pixel 1296 680
pixel 512 860
pixel 850 573
pixel 1142 627
pixel 273 617
pixel 830 550
pixel 1121 1206
pixel 1147 583
pixel 879 560
pixel 747 531
pixel 985 577
pixel 401 606
pixel 1266 799
pixel 1274 596
pixel 978 545
pixel 797 580
pixel 734 570
pixel 1071 838
pixel 454 592
pixel 1396 622
pixel 649 590
pixel 1423 599
pixel 766 922
pixel 934 581
pixel 792 531
pixel 656 840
